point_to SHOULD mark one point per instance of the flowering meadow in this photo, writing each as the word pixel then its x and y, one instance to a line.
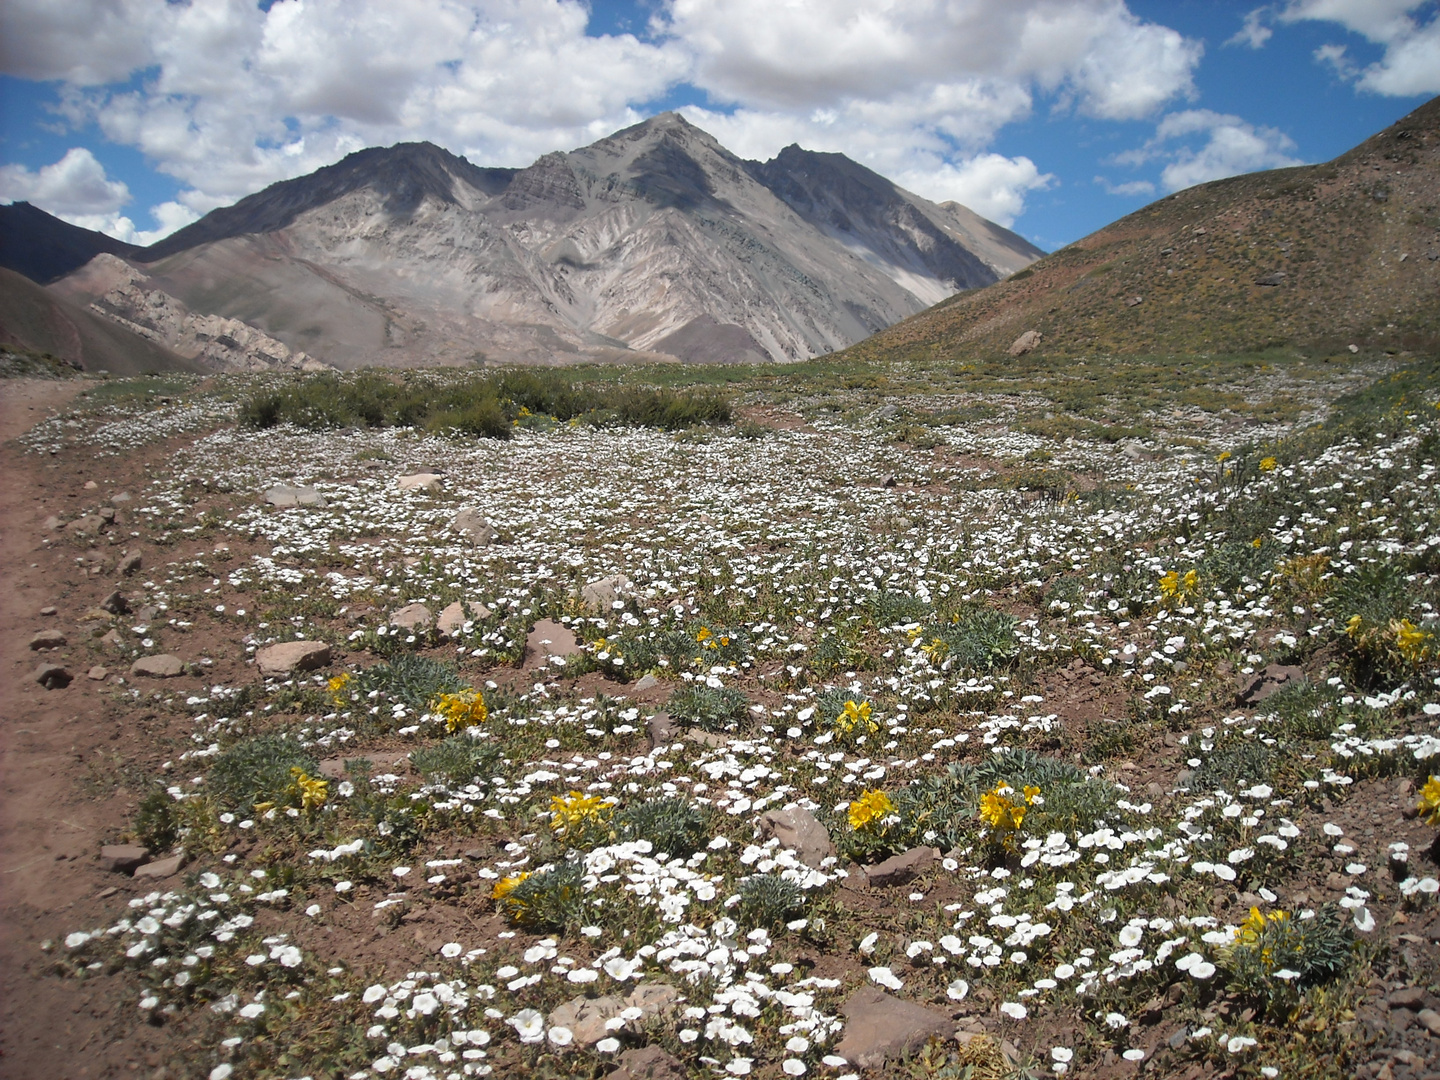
pixel 1116 756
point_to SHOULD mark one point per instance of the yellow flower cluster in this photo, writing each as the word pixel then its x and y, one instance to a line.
pixel 708 639
pixel 505 886
pixel 871 807
pixel 1429 807
pixel 1268 464
pixel 1411 642
pixel 1175 587
pixel 312 790
pixel 339 688
pixel 571 812
pixel 937 650
pixel 1003 810
pixel 1249 931
pixel 853 715
pixel 463 710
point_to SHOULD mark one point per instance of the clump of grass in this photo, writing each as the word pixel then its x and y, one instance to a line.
pixel 488 406
pixel 549 899
pixel 413 680
pixel 978 639
pixel 708 708
pixel 894 608
pixel 258 770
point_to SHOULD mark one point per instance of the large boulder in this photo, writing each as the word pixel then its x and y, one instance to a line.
pixel 801 831
pixel 1026 342
pixel 421 481
pixel 474 526
pixel 550 640
pixel 413 617
pixel 289 657
pixel 880 1027
pixel 453 619
pixel 601 595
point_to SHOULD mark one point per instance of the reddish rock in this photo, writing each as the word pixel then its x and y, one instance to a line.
pixel 292 656
pixel 161 868
pixel 801 831
pixel 122 858
pixel 160 666
pixel 879 1027
pixel 898 869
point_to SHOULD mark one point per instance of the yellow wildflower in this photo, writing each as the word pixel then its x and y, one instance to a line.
pixel 704 635
pixel 937 650
pixel 1354 626
pixel 872 806
pixel 1268 464
pixel 312 790
pixel 505 886
pixel 1410 641
pixel 855 714
pixel 1248 932
pixel 339 688
pixel 462 710
pixel 1429 807
pixel 1225 455
pixel 1004 810
pixel 570 812
pixel 1256 542
pixel 1174 586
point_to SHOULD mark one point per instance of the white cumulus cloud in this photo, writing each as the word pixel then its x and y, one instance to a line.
pixel 76 186
pixel 1199 145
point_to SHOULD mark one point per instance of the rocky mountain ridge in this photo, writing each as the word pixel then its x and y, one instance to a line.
pixel 654 243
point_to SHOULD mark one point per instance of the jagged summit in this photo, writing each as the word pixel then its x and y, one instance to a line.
pixel 655 239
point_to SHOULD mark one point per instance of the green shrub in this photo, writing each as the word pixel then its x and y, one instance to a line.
pixel 155 821
pixel 770 901
pixel 894 609
pixel 258 771
pixel 708 708
pixel 457 760
pixel 673 826
pixel 550 899
pixel 412 680
pixel 978 639
pixel 1234 766
pixel 1276 957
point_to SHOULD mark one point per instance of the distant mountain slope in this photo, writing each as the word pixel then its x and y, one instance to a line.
pixel 43 247
pixel 33 319
pixel 1342 253
pixel 655 242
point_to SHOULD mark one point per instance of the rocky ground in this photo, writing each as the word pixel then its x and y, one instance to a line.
pixel 625 753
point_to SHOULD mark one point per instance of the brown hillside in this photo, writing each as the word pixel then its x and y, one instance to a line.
pixel 1347 252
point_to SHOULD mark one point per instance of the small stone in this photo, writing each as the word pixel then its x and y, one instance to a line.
pixel 898 869
pixel 423 481
pixel 1134 301
pixel 586 1017
pixel 91 485
pixel 53 676
pixel 122 858
pixel 881 1027
pixel 416 618
pixel 648 1063
pixel 47 639
pixel 799 830
pixel 284 496
pixel 159 666
pixel 291 656
pixel 112 640
pixel 1026 342
pixel 1430 1019
pixel 107 513
pixel 115 604
pixel 661 729
pixel 85 525
pixel 120 497
pixel 1407 997
pixel 646 682
pixel 161 868
pixel 97 673
pixel 474 526
pixel 48 611
pixel 51 523
pixel 601 595
pixel 130 564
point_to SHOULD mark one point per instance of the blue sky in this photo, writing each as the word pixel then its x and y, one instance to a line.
pixel 1052 116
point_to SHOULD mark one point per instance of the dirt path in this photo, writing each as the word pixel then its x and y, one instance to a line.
pixel 57 753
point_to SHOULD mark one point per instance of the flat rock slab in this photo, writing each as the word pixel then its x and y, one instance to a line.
pixel 291 656
pixel 879 1027
pixel 161 868
pixel 586 1017
pixel 160 666
pixel 898 869
pixel 123 858
pixel 422 481
pixel 1253 689
pixel 601 595
pixel 801 831
pixel 548 640
pixel 653 998
pixel 283 496
pixel 648 1063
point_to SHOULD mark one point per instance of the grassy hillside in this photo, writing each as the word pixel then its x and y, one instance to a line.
pixel 1329 255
